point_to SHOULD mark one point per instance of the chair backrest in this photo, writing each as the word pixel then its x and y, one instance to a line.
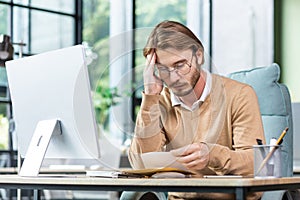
pixel 275 107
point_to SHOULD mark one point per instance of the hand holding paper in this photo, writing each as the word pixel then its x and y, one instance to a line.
pixel 194 156
pixel 154 160
pixel 162 165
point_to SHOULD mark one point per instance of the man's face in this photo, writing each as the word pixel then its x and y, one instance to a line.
pixel 170 60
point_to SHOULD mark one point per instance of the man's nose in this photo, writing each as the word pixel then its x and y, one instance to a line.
pixel 174 76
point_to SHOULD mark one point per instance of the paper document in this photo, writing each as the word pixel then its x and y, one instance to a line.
pixel 163 163
pixel 154 160
pixel 113 174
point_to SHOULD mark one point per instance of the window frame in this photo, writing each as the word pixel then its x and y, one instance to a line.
pixel 77 16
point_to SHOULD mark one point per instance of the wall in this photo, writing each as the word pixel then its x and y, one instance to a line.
pixel 242 35
pixel 290 30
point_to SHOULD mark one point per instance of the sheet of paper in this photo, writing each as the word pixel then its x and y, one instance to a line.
pixel 160 160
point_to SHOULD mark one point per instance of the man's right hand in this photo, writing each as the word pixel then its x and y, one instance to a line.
pixel 152 84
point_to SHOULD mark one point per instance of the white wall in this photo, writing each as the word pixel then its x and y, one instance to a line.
pixel 242 34
pixel 291 47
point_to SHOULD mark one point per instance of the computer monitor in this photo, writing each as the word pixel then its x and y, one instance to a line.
pixel 52 107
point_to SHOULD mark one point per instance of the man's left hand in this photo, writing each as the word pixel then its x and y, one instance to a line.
pixel 194 156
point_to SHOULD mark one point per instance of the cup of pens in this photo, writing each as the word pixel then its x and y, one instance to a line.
pixel 267 161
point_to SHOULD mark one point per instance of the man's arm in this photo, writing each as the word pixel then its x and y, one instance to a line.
pixel 246 128
pixel 149 135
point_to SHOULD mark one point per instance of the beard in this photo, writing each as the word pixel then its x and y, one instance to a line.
pixel 186 85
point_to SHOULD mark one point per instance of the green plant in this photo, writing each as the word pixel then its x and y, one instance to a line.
pixel 105 97
pixel 3 132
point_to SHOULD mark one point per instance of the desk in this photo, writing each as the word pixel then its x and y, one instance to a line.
pixel 14 170
pixel 239 186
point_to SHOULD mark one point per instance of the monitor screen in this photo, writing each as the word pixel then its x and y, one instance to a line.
pixel 54 86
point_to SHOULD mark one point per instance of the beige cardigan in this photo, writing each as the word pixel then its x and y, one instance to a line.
pixel 228 121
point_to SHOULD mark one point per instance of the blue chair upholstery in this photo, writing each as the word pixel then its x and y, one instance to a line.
pixel 275 107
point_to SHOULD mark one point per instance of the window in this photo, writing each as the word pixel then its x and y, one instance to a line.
pixel 4 16
pixel 110 26
pixel 44 25
pixel 96 28
pixel 147 15
pixel 115 33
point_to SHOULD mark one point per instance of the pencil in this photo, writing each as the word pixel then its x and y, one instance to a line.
pixel 278 142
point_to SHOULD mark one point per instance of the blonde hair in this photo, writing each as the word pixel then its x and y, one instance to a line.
pixel 171 34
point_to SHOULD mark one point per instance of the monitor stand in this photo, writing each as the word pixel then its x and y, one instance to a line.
pixel 38 146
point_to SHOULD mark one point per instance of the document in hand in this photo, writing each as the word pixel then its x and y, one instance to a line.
pixel 154 160
pixel 157 164
pixel 166 163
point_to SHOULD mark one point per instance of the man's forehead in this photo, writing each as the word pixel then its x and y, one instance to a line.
pixel 171 55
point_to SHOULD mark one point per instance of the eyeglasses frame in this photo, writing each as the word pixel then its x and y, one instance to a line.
pixel 189 64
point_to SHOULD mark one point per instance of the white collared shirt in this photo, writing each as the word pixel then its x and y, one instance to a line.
pixel 176 101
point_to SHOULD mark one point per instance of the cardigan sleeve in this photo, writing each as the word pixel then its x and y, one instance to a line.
pixel 149 135
pixel 247 126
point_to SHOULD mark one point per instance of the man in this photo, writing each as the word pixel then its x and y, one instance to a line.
pixel 207 121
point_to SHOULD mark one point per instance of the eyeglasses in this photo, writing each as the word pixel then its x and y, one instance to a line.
pixel 181 68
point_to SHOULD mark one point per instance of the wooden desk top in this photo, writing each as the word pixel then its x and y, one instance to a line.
pixel 78 177
pixel 74 180
pixel 239 186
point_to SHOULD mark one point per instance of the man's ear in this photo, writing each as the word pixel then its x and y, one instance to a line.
pixel 199 55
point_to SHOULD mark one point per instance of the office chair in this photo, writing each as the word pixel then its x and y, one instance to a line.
pixel 275 107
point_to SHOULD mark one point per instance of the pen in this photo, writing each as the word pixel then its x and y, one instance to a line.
pixel 259 142
pixel 278 142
